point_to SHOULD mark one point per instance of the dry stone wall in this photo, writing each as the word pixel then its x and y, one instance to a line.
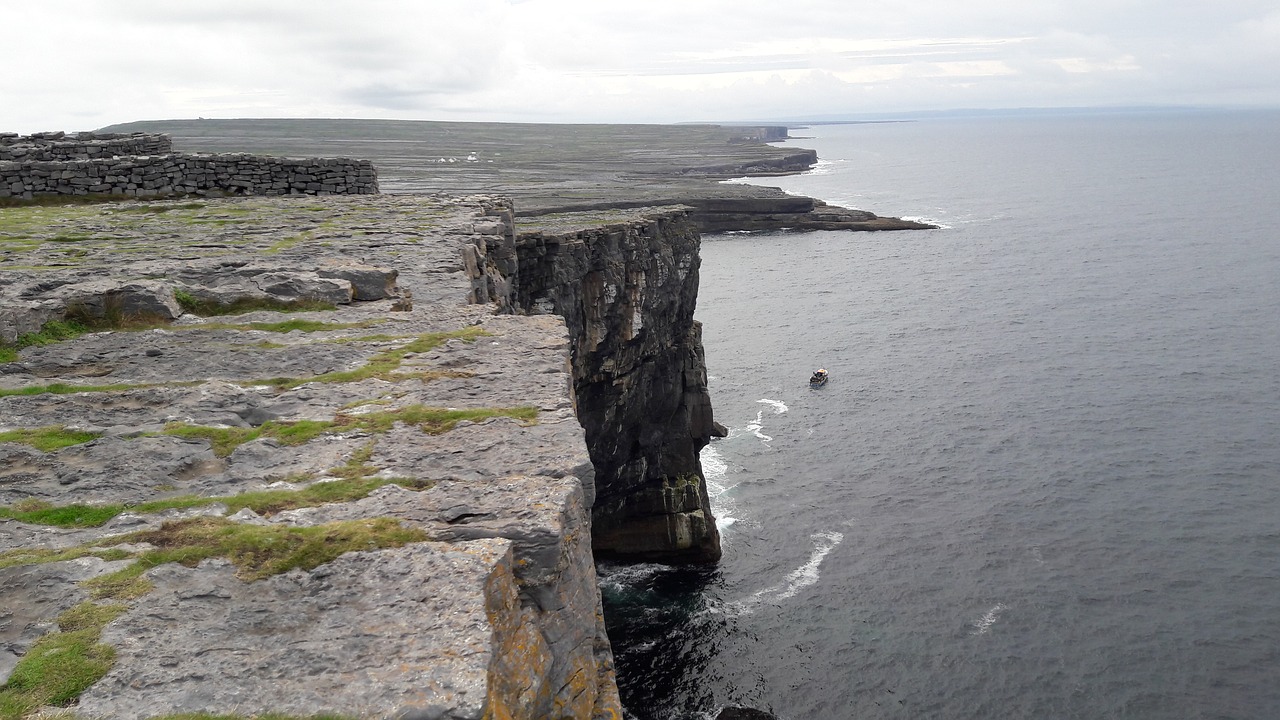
pixel 143 165
pixel 81 146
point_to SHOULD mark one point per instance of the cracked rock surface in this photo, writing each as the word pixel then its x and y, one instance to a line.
pixel 493 611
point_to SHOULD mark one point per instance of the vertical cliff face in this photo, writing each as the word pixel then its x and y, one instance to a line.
pixel 627 287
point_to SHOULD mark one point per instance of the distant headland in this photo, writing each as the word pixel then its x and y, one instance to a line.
pixel 552 168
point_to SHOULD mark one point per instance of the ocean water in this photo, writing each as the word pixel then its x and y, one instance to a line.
pixel 1044 480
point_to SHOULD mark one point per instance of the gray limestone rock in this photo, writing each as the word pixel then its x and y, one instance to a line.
pixel 369 634
pixel 32 597
pixel 367 282
pixel 296 286
pixel 129 299
pixel 499 613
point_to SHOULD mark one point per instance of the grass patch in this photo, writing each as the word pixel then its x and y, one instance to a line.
pixel 369 339
pixel 77 321
pixel 49 438
pixel 209 308
pixel 157 209
pixel 260 551
pixel 353 484
pixel 307 326
pixel 64 389
pixel 224 441
pixel 65 515
pixel 37 556
pixel 383 365
pixel 286 243
pixel 432 420
pixel 51 332
pixel 268 716
pixel 62 664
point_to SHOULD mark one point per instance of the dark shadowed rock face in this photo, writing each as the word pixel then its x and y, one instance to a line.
pixel 627 290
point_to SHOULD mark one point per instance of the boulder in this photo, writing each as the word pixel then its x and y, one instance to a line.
pixel 151 299
pixel 367 282
pixel 295 286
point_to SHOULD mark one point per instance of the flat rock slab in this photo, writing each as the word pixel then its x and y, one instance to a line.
pixel 496 612
pixel 370 633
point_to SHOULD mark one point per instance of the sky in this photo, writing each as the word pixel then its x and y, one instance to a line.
pixel 83 64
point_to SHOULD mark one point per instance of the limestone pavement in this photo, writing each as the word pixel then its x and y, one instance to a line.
pixel 454 422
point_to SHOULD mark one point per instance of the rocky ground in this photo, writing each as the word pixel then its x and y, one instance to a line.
pixel 378 509
pixel 552 168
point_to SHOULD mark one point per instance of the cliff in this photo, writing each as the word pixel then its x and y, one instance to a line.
pixel 627 287
pixel 376 505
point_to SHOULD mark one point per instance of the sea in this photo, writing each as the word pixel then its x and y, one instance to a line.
pixel 1044 479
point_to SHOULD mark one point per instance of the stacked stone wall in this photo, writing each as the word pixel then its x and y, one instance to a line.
pixel 182 174
pixel 52 146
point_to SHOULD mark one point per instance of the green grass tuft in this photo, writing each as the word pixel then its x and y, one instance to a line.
pixel 78 516
pixel 268 716
pixel 208 308
pixel 353 483
pixel 51 332
pixel 383 365
pixel 224 441
pixel 62 664
pixel 260 551
pixel 47 439
pixel 64 389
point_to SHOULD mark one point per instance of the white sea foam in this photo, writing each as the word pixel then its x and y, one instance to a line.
pixel 618 578
pixel 779 407
pixel 984 623
pixel 715 469
pixel 713 465
pixel 755 426
pixel 932 221
pixel 823 167
pixel 807 574
pixel 797 580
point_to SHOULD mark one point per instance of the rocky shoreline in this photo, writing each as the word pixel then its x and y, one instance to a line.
pixel 356 455
pixel 554 169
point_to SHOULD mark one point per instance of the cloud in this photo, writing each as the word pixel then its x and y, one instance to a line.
pixel 88 63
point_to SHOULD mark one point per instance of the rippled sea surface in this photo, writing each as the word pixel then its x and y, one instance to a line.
pixel 1044 480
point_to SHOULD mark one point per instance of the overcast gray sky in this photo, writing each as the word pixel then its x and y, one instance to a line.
pixel 83 64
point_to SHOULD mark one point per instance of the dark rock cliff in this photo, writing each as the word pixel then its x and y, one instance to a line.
pixel 627 285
